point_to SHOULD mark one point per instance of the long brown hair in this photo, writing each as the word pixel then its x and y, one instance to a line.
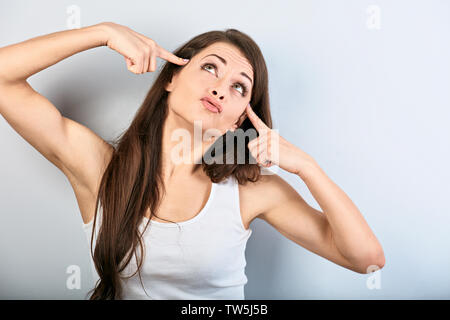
pixel 132 181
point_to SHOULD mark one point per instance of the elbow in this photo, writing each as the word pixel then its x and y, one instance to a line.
pixel 368 263
pixel 374 263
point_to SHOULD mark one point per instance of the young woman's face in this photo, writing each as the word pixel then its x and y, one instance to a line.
pixel 227 81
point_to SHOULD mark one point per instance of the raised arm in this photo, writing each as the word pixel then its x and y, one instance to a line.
pixel 21 60
pixel 32 115
pixel 75 149
pixel 29 113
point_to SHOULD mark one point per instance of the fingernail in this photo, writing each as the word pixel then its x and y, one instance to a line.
pixel 185 60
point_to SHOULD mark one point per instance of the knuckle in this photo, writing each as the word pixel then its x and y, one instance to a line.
pixel 152 45
pixel 139 55
pixel 147 49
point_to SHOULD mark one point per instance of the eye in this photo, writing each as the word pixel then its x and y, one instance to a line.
pixel 206 65
pixel 243 86
pixel 243 90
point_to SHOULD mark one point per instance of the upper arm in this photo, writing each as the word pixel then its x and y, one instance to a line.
pixel 76 150
pixel 33 117
pixel 85 155
pixel 289 214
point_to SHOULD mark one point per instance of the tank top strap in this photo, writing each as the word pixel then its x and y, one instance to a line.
pixel 226 206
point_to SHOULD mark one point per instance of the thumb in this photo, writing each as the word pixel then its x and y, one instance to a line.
pixel 130 66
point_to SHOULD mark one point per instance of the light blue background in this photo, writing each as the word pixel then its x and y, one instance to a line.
pixel 371 106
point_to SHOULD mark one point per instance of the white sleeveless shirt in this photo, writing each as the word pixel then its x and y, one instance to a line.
pixel 201 258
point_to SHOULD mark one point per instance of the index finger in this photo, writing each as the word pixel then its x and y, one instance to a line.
pixel 169 56
pixel 257 122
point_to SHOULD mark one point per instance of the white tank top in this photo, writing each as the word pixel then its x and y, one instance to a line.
pixel 201 258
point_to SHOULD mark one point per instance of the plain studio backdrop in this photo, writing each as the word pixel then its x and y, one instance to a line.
pixel 361 86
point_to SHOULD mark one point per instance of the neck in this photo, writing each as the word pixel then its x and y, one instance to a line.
pixel 181 150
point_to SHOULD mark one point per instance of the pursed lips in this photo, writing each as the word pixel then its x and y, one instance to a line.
pixel 215 104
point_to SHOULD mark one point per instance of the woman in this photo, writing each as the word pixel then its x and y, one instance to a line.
pixel 198 211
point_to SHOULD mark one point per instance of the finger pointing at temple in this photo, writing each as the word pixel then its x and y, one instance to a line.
pixel 259 125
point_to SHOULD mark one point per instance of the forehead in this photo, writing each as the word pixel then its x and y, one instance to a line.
pixel 230 53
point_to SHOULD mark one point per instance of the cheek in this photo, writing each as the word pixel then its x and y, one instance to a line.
pixel 184 94
pixel 234 114
pixel 241 110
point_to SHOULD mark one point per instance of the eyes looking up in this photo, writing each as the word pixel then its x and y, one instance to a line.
pixel 243 86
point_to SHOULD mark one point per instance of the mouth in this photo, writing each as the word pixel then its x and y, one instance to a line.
pixel 209 106
pixel 213 103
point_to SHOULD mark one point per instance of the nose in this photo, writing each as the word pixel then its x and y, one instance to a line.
pixel 218 89
pixel 216 94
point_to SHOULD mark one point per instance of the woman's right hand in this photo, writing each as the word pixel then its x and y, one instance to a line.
pixel 139 51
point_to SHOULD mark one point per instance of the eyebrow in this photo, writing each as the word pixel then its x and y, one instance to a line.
pixel 225 63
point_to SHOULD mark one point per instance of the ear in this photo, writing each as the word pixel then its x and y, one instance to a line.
pixel 171 84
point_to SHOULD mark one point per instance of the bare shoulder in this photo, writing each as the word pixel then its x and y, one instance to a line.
pixel 258 197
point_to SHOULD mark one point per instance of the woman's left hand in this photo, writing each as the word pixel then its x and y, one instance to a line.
pixel 264 148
